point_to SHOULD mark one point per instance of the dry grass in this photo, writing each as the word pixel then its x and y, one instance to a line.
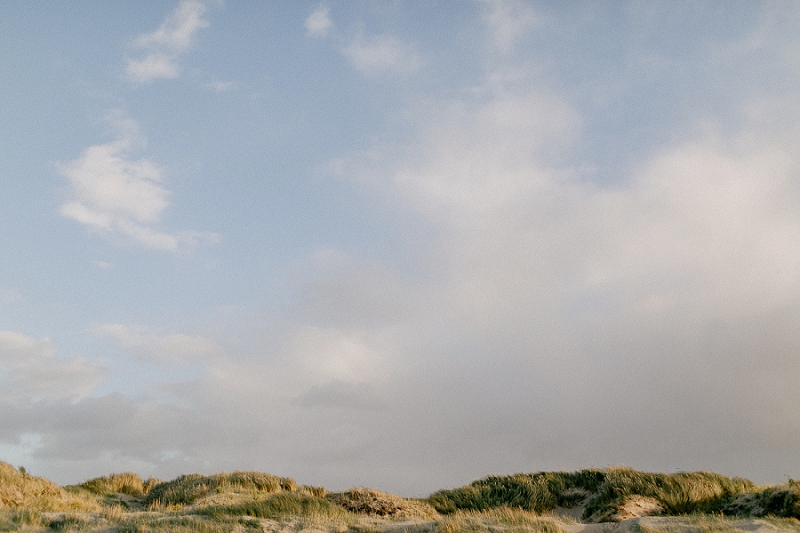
pixel 192 488
pixel 125 483
pixel 500 520
pixel 242 502
pixel 20 490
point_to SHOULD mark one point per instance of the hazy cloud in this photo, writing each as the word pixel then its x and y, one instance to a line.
pixel 117 195
pixel 382 55
pixel 509 21
pixel 150 346
pixel 166 44
pixel 222 86
pixel 340 395
pixel 593 308
pixel 318 23
pixel 30 371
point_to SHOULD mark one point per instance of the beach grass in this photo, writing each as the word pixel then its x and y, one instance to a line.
pixel 543 502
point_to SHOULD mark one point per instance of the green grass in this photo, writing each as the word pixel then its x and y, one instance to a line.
pixel 188 489
pixel 540 493
pixel 781 501
pixel 681 493
pixel 278 506
pixel 605 490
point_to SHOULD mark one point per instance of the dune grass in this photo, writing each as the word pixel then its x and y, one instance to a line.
pixel 188 524
pixel 189 489
pixel 20 490
pixel 539 493
pixel 242 501
pixel 603 491
pixel 15 519
pixel 124 483
pixel 498 520
pixel 277 506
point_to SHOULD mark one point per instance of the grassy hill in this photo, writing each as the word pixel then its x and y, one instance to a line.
pixel 590 501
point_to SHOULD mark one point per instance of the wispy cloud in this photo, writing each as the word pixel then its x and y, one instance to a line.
pixel 166 44
pixel 374 56
pixel 117 195
pixel 383 55
pixel 318 23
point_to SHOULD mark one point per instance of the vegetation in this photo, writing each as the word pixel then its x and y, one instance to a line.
pixel 376 503
pixel 544 502
pixel 125 483
pixel 20 490
pixel 604 492
pixel 189 489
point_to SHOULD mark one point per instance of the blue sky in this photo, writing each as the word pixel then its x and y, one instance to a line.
pixel 399 244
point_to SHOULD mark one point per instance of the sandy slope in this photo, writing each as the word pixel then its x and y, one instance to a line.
pixel 672 524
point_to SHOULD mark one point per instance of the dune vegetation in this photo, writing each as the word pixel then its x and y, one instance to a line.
pixel 607 500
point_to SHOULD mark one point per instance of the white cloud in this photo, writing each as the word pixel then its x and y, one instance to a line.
pixel 117 195
pixel 173 38
pixel 318 23
pixel 383 55
pixel 153 67
pixel 30 371
pixel 509 21
pixel 150 346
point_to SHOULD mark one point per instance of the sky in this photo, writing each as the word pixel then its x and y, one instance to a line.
pixel 397 244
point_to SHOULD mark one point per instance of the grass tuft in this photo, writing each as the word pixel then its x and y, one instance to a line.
pixel 188 489
pixel 278 506
pixel 125 483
